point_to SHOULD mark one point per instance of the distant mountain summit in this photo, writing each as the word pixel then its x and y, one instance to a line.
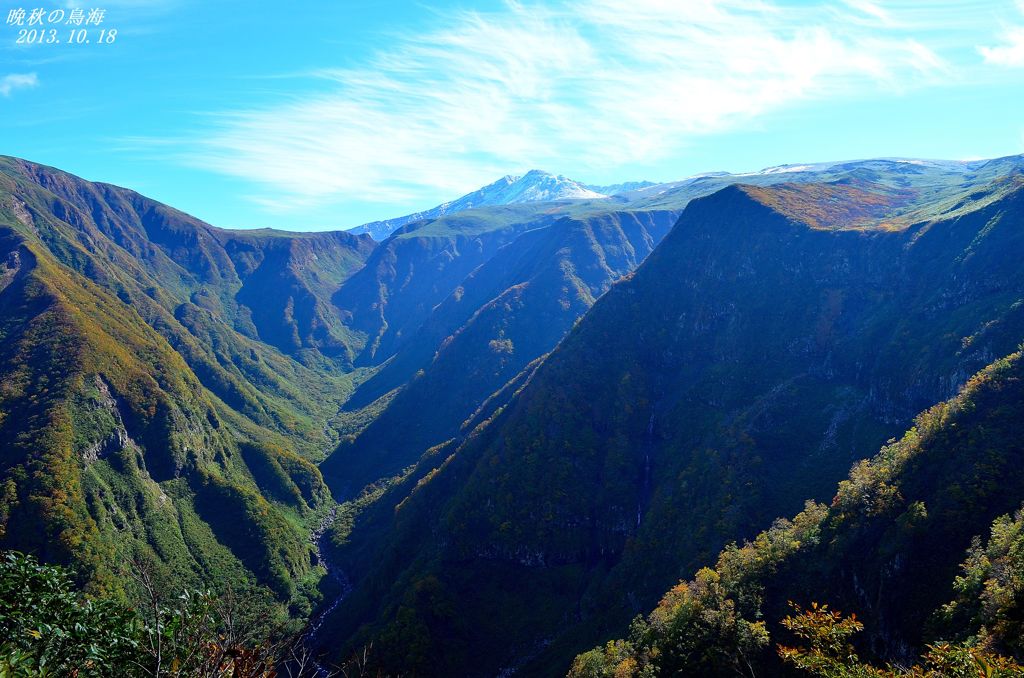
pixel 534 186
pixel 540 186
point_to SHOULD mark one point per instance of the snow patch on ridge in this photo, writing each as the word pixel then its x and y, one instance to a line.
pixel 534 186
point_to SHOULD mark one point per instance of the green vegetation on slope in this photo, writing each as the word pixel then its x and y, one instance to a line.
pixel 48 629
pixel 888 549
pixel 743 367
pixel 191 283
pixel 138 415
pixel 108 438
pixel 510 311
pixel 165 386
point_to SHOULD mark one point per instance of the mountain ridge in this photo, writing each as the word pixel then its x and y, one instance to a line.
pixel 142 417
pixel 534 186
pixel 509 311
pixel 557 409
pixel 744 323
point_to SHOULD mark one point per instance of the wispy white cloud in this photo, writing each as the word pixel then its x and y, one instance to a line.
pixel 1010 51
pixel 870 9
pixel 605 82
pixel 14 81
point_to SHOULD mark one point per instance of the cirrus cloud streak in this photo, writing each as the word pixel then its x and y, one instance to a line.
pixel 604 83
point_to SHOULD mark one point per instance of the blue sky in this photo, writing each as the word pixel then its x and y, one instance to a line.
pixel 322 115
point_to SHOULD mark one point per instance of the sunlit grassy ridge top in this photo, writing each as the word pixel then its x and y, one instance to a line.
pixel 837 206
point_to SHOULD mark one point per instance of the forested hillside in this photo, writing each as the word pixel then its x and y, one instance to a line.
pixel 168 385
pixel 503 316
pixel 922 544
pixel 537 418
pixel 142 417
pixel 773 337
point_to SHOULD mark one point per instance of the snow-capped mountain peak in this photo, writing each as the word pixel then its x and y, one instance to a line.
pixel 540 186
pixel 534 186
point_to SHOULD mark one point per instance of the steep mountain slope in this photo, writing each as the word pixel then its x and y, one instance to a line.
pixel 888 549
pixel 772 336
pixel 248 310
pixel 253 316
pixel 397 299
pixel 507 313
pixel 534 186
pixel 140 414
pixel 423 262
pixel 292 274
pixel 287 281
pixel 111 447
pixel 164 385
pixel 390 298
